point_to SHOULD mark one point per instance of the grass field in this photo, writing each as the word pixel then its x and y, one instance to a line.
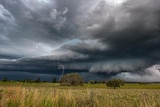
pixel 18 94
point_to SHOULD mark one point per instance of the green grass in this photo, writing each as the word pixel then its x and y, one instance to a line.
pixel 87 85
pixel 18 94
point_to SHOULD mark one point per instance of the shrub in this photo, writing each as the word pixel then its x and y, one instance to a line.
pixel 121 82
pixel 72 79
pixel 115 83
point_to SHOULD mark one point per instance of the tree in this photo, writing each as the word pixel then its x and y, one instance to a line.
pixel 115 83
pixel 121 82
pixel 72 79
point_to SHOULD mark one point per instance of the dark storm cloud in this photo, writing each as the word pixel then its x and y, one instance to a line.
pixel 46 69
pixel 15 75
pixel 129 31
pixel 106 39
pixel 120 39
pixel 37 65
pixel 25 24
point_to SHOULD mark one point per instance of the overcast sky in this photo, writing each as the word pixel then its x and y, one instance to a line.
pixel 100 39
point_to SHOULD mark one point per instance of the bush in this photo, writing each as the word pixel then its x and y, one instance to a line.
pixel 72 79
pixel 121 82
pixel 115 83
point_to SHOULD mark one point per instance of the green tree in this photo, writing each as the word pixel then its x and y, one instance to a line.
pixel 72 79
pixel 115 83
pixel 121 82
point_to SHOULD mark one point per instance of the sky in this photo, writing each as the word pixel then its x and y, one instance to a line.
pixel 99 39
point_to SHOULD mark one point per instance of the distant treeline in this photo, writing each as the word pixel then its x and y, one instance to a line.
pixel 55 80
pixel 36 80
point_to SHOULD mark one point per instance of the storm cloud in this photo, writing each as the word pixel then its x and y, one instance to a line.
pixel 100 38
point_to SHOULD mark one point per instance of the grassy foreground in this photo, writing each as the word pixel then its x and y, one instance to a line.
pixel 98 95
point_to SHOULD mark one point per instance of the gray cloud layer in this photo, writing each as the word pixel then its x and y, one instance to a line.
pixel 94 37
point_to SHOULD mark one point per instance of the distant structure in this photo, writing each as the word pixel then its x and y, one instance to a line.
pixel 60 66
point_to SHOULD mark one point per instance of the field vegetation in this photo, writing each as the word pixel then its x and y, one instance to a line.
pixel 23 94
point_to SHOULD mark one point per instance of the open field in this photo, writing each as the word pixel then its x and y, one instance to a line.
pixel 87 85
pixel 17 94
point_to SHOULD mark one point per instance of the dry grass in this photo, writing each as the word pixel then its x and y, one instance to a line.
pixel 19 96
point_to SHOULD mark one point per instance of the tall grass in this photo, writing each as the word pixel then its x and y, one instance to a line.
pixel 19 96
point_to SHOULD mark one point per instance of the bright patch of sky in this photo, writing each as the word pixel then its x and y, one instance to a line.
pixel 115 2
